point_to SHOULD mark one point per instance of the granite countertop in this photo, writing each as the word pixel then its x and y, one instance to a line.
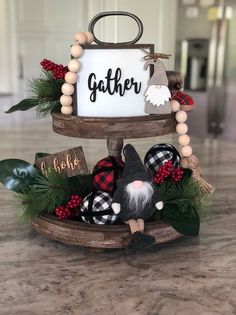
pixel 192 275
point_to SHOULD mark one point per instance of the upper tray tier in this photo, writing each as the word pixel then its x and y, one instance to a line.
pixel 121 127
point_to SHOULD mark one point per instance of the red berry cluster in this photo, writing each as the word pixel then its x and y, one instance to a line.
pixel 74 202
pixel 168 170
pixel 70 209
pixel 58 71
pixel 163 172
pixel 62 212
pixel 177 174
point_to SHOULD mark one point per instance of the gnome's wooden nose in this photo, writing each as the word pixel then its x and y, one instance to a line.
pixel 137 184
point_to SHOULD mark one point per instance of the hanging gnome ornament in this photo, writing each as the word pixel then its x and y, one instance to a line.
pixel 157 95
pixel 136 199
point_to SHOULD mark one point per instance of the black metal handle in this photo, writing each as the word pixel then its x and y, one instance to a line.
pixel 109 13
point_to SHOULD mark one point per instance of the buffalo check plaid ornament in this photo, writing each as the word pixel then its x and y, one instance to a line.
pixel 106 172
pixel 182 98
pixel 96 208
pixel 159 154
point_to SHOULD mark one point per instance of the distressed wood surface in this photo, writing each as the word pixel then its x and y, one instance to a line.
pixel 120 46
pixel 121 127
pixel 96 236
pixel 114 147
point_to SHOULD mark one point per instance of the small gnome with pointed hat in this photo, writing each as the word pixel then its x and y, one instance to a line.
pixel 136 199
pixel 157 95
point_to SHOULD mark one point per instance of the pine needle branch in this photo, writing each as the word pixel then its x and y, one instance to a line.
pixel 47 91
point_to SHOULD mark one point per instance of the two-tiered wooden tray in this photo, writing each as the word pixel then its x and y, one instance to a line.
pixel 114 130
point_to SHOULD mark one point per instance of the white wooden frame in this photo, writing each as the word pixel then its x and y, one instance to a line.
pixel 123 94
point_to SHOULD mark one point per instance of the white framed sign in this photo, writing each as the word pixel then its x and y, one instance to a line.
pixel 112 81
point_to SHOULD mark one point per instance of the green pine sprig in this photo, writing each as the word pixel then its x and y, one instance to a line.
pixel 47 91
pixel 184 202
pixel 47 193
pixel 185 195
pixel 44 195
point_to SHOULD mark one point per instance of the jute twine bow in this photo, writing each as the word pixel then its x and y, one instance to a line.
pixel 192 163
pixel 155 56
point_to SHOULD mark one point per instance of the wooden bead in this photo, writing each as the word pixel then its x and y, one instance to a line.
pixel 80 38
pixel 175 105
pixel 181 128
pixel 183 140
pixel 67 110
pixel 74 65
pixel 71 77
pixel 181 116
pixel 89 37
pixel 186 150
pixel 66 100
pixel 76 51
pixel 67 89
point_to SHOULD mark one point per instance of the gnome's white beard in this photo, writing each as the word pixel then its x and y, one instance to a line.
pixel 157 94
pixel 138 197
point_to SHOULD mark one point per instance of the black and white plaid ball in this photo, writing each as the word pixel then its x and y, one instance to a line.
pixel 96 208
pixel 159 154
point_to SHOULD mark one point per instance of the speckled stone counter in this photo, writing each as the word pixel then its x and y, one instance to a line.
pixel 39 276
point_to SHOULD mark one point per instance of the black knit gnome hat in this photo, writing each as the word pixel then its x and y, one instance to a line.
pixel 134 168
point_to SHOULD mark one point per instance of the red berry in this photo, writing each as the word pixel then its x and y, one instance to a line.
pixel 62 212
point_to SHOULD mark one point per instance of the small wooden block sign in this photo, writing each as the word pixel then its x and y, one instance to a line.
pixel 71 162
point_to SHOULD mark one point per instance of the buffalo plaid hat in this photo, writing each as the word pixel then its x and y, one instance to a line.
pixel 182 98
pixel 106 172
pixel 96 208
pixel 159 154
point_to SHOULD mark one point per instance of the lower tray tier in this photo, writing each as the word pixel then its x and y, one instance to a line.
pixel 96 236
pixel 119 128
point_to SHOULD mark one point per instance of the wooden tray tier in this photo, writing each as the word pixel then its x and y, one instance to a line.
pixel 115 128
pixel 96 236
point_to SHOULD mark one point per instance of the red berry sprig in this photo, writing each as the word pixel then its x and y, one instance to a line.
pixel 74 202
pixel 168 170
pixel 62 212
pixel 58 71
pixel 177 174
pixel 163 172
pixel 71 209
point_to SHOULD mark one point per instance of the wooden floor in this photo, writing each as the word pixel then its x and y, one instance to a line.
pixel 187 276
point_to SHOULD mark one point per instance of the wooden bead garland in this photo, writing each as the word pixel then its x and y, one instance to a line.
pixel 80 38
pixel 71 76
pixel 76 51
pixel 181 116
pixel 89 37
pixel 181 128
pixel 175 105
pixel 67 110
pixel 67 89
pixel 186 150
pixel 74 65
pixel 183 140
pixel 66 100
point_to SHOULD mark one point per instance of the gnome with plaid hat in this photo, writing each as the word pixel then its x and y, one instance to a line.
pixel 136 199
